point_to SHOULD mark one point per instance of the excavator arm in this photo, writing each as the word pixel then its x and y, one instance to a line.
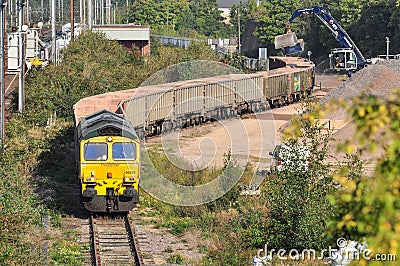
pixel 337 31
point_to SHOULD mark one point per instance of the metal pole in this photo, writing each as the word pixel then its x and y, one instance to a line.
pixel 102 12
pixel 108 11
pixel 59 10
pixel 90 14
pixel 53 31
pixel 10 12
pixel 21 57
pixel 387 48
pixel 240 6
pixel 72 18
pixel 84 14
pixel 80 13
pixel 2 102
pixel 27 12
pixel 42 10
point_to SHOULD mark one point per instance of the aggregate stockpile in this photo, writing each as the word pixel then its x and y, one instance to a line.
pixel 379 80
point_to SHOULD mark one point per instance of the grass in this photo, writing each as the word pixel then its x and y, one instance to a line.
pixel 176 258
pixel 55 220
pixel 66 253
pixel 232 228
pixel 169 250
pixel 211 219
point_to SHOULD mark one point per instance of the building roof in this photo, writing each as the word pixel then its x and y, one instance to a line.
pixel 124 32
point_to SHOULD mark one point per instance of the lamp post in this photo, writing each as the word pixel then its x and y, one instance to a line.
pixel 22 28
pixel 387 48
pixel 239 44
pixel 53 32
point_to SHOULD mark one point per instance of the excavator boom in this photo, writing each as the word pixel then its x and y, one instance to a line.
pixel 337 31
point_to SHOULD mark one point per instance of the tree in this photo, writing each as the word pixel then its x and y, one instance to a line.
pixel 176 17
pixel 205 18
pixel 370 206
pixel 86 71
pixel 296 199
pixel 158 14
pixel 273 16
pixel 377 20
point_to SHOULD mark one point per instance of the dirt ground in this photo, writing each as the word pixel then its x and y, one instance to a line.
pixel 250 138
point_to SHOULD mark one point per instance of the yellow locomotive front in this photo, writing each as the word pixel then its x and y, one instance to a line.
pixel 109 163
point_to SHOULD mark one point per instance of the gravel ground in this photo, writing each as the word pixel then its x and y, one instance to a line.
pixel 378 80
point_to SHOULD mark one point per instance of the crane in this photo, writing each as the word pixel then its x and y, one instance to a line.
pixel 347 58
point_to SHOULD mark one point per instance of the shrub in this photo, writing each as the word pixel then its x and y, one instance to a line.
pixel 298 207
pixel 369 206
pixel 175 258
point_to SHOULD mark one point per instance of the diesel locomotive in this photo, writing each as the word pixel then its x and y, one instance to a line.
pixel 108 160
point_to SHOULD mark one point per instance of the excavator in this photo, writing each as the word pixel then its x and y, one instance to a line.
pixel 348 58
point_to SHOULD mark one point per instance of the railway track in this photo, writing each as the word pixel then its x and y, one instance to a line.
pixel 113 242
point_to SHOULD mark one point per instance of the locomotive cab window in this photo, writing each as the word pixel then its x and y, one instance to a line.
pixel 95 151
pixel 124 151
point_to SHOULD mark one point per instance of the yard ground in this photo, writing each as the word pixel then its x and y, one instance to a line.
pixel 250 138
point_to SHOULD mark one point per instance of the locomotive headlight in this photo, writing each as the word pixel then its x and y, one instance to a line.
pixel 109 139
pixel 90 179
pixel 129 179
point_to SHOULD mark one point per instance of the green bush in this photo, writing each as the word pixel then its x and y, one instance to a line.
pixel 180 225
pixel 66 253
pixel 20 210
pixel 369 206
pixel 297 200
pixel 175 258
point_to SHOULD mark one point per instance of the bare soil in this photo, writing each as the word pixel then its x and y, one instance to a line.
pixel 250 138
pixel 161 245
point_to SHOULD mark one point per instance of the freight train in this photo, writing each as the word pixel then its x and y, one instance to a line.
pixel 122 118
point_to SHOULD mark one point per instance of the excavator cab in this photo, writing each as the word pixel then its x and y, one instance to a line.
pixel 343 59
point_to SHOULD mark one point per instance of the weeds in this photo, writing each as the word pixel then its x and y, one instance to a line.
pixel 176 258
pixel 66 253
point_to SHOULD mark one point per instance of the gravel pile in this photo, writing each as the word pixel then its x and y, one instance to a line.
pixel 393 64
pixel 378 80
